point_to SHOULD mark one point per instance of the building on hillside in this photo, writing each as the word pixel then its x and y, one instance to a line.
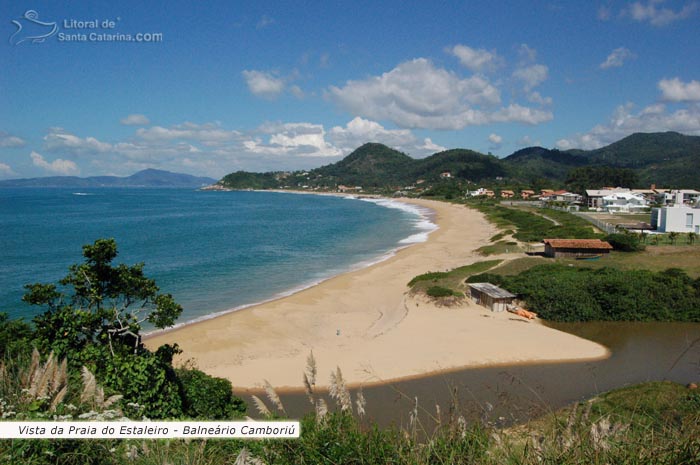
pixel 679 197
pixel 625 202
pixel 527 193
pixel 507 194
pixel 546 192
pixel 490 296
pixel 577 248
pixel 594 197
pixel 481 191
pixel 445 174
pixel 564 196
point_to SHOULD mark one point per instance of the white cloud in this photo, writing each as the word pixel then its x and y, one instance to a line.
pixel 675 90
pixel 209 134
pixel 531 76
pixel 296 139
pixel 536 97
pixel 477 60
pixel 527 54
pixel 623 122
pixel 263 84
pixel 8 140
pixel 657 15
pixel 359 131
pixel 6 170
pixel 59 140
pixel 428 148
pixel 416 94
pixel 58 166
pixel 617 58
pixel 495 139
pixel 135 119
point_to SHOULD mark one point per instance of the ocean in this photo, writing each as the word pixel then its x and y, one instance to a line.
pixel 214 251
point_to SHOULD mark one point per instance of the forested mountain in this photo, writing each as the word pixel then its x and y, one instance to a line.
pixel 666 159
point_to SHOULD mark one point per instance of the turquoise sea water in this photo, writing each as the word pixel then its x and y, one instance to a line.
pixel 214 251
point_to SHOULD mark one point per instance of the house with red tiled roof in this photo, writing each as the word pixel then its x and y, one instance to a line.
pixel 577 248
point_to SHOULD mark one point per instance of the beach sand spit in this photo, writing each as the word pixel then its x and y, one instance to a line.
pixel 366 323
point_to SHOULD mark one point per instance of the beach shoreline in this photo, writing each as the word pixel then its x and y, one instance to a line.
pixel 367 323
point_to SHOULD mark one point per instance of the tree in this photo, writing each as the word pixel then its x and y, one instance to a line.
pixel 691 238
pixel 95 317
pixel 108 304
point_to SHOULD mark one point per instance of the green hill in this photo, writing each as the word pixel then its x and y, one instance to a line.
pixel 666 159
pixel 372 164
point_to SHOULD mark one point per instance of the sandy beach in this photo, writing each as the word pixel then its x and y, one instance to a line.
pixel 366 323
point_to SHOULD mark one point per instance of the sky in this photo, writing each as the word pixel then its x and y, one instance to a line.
pixel 110 88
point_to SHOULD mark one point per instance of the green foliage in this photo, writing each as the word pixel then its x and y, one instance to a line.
pixel 447 190
pixel 15 337
pixel 562 293
pixel 439 291
pixel 455 276
pixel 95 320
pixel 100 304
pixel 625 242
pixel 145 380
pixel 247 180
pixel 596 177
pixel 430 276
pixel 208 398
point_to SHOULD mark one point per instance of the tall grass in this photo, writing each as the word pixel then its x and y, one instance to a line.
pixel 644 424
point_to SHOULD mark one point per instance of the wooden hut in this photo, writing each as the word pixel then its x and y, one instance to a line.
pixel 490 296
pixel 577 248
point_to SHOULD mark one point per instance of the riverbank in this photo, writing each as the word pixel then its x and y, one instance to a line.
pixel 365 323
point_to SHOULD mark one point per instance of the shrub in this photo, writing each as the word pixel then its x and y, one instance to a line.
pixel 439 291
pixel 625 242
pixel 207 397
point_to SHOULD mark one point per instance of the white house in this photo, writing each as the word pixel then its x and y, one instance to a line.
pixel 624 202
pixel 680 196
pixel 594 197
pixel 676 218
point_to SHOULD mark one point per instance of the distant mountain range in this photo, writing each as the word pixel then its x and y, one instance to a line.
pixel 666 159
pixel 145 178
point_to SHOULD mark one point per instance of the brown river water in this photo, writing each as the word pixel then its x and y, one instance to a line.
pixel 503 395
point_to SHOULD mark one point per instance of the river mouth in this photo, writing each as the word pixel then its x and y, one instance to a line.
pixel 505 395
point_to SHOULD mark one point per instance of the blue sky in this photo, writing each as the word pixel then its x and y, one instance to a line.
pixel 290 85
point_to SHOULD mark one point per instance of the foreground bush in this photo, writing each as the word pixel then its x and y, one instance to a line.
pixel 207 397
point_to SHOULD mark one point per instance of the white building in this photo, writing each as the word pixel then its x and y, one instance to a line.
pixel 594 197
pixel 625 202
pixel 676 218
pixel 680 196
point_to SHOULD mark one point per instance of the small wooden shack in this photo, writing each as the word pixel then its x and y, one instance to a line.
pixel 578 248
pixel 490 296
